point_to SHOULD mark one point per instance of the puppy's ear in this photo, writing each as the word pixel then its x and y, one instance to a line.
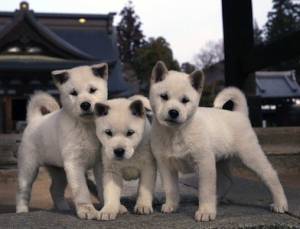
pixel 137 108
pixel 101 109
pixel 100 70
pixel 44 110
pixel 197 80
pixel 159 72
pixel 60 76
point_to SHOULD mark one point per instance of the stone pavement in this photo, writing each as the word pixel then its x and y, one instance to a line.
pixel 246 207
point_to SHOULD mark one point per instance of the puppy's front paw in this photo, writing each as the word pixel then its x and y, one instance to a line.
pixel 107 213
pixel 123 210
pixel 143 209
pixel 280 207
pixel 205 213
pixel 168 208
pixel 86 211
pixel 22 209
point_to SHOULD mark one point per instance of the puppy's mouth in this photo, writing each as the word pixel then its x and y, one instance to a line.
pixel 119 158
pixel 87 114
pixel 172 122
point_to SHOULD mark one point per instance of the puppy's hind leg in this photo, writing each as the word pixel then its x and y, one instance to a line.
pixel 252 156
pixel 224 179
pixel 27 172
pixel 57 188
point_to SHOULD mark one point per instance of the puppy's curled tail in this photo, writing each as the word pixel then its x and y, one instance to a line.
pixel 40 104
pixel 236 96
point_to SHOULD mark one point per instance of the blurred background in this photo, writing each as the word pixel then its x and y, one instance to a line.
pixel 37 37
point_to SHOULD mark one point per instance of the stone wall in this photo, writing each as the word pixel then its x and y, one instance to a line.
pixel 281 144
pixel 9 144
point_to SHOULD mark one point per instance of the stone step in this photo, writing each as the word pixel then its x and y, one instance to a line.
pixel 279 140
pixel 9 144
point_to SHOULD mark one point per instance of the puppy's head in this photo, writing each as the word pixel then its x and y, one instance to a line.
pixel 174 96
pixel 120 125
pixel 80 88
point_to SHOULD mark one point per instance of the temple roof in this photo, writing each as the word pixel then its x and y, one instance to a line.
pixel 48 41
pixel 277 84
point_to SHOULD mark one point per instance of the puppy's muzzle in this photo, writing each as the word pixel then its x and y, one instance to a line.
pixel 119 153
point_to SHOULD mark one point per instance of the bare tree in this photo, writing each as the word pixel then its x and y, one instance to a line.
pixel 212 53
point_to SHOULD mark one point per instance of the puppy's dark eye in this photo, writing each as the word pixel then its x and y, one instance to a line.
pixel 74 93
pixel 185 100
pixel 130 133
pixel 92 90
pixel 108 132
pixel 164 96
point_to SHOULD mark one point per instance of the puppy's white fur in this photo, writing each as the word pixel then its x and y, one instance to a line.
pixel 65 138
pixel 198 137
pixel 122 124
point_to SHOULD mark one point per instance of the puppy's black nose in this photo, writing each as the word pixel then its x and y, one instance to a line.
pixel 85 106
pixel 119 152
pixel 173 114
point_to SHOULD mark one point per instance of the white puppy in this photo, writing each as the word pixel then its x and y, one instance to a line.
pixel 64 139
pixel 124 131
pixel 186 138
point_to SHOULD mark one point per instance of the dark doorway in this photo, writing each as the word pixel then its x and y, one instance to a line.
pixel 19 109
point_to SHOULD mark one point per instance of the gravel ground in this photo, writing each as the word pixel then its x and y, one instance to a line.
pixel 246 206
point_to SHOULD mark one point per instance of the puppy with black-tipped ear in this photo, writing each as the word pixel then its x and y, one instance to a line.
pixel 186 138
pixel 64 140
pixel 124 132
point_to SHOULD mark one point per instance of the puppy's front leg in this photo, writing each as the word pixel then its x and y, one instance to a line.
pixel 169 178
pixel 206 171
pixel 77 181
pixel 112 183
pixel 146 190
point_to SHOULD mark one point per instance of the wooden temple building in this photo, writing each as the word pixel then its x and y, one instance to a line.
pixel 33 44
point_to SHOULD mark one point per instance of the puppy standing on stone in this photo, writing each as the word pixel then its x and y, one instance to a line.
pixel 124 132
pixel 187 138
pixel 64 141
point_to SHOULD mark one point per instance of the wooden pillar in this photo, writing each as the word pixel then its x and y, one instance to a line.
pixel 8 122
pixel 238 41
pixel 1 114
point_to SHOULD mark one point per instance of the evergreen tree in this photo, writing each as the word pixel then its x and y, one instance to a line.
pixel 129 33
pixel 153 50
pixel 283 19
pixel 137 54
pixel 187 67
pixel 257 34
